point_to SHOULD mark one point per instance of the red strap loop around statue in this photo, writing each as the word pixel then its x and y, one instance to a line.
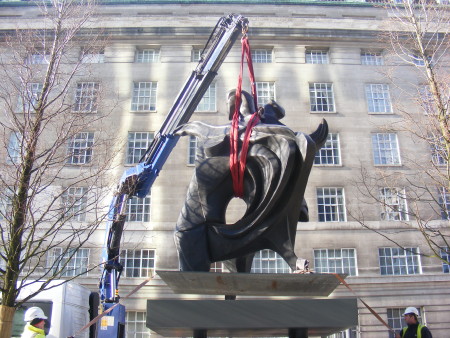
pixel 238 163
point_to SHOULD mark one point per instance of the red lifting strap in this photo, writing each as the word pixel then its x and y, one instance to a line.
pixel 237 163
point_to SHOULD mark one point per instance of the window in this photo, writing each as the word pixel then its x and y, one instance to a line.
pixel 138 209
pixel 147 55
pixel 2 258
pixel 138 143
pixel 30 97
pixel 138 263
pixel 445 255
pixel 144 96
pixel 268 261
pixel 265 92
pixel 93 56
pixel 371 58
pixel 262 56
pixel 331 205
pixel 69 262
pixel 86 97
pixel 14 148
pixel 426 100
pixel 196 54
pixel 419 60
pixel 321 97
pixel 330 153
pixel 438 151
pixel 393 201
pixel 378 98
pixel 136 324
pixel 6 203
pixel 80 148
pixel 192 150
pixel 335 261
pixel 38 57
pixel 385 149
pixel 208 101
pixel 444 202
pixel 316 56
pixel 349 333
pixel 217 267
pixel 398 261
pixel 74 201
pixel 396 319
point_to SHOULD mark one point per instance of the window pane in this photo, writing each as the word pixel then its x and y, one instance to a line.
pixel 445 255
pixel 144 96
pixel 147 55
pixel 196 54
pixel 444 202
pixel 262 56
pixel 136 324
pixel 30 97
pixel 93 56
pixel 335 261
pixel 371 58
pixel 426 100
pixel 268 261
pixel 378 98
pixel 385 149
pixel 192 149
pixel 138 209
pixel 439 153
pixel 138 143
pixel 80 148
pixel 68 262
pixel 321 97
pixel 86 97
pixel 316 56
pixel 38 57
pixel 208 101
pixel 138 263
pixel 265 92
pixel 331 206
pixel 74 201
pixel 329 154
pixel 14 148
pixel 397 261
pixel 393 202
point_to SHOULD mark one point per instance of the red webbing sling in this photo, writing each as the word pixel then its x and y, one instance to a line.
pixel 237 163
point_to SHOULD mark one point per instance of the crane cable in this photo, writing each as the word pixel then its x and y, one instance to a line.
pixel 238 161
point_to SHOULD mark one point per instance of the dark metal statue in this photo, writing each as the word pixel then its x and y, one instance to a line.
pixel 278 165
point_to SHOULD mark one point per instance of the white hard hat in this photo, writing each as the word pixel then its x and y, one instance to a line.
pixel 410 310
pixel 33 313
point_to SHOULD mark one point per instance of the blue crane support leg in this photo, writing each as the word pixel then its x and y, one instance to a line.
pixel 113 324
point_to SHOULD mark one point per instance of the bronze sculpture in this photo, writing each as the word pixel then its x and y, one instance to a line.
pixel 277 169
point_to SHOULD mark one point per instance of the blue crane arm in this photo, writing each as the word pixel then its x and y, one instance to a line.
pixel 137 181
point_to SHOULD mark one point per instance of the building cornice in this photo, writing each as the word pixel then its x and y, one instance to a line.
pixel 213 2
pixel 257 32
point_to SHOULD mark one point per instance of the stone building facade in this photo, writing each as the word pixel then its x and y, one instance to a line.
pixel 318 60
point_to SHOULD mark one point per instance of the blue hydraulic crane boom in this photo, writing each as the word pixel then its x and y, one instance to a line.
pixel 138 180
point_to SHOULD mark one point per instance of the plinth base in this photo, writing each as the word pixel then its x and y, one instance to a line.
pixel 251 284
pixel 263 318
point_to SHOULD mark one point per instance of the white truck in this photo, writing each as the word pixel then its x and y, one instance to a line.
pixel 68 307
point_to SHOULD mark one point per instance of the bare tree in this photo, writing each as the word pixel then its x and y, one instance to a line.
pixel 416 36
pixel 56 152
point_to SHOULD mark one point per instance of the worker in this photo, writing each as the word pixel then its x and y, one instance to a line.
pixel 414 328
pixel 35 319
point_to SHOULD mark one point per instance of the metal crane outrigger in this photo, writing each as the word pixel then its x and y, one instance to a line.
pixel 138 180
